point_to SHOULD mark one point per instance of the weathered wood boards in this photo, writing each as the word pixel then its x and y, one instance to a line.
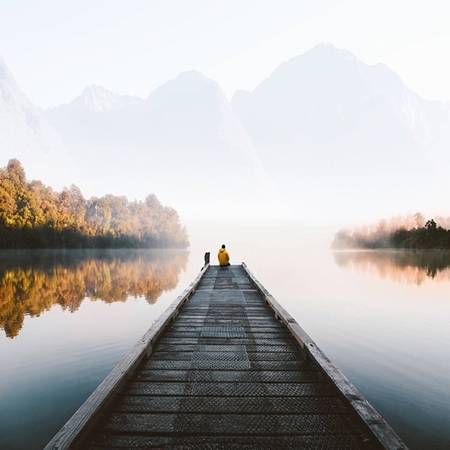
pixel 233 370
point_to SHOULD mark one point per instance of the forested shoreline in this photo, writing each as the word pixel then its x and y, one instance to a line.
pixel 33 215
pixel 427 237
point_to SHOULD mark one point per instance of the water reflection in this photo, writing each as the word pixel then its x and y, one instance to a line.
pixel 32 282
pixel 411 267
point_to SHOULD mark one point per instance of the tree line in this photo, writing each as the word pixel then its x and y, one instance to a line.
pixel 428 236
pixel 33 215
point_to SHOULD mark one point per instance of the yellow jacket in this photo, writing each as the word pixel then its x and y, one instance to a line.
pixel 224 257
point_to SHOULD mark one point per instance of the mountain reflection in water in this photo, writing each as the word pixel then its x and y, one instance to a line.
pixel 32 282
pixel 411 267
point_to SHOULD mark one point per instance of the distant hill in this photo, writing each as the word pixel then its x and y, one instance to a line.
pixel 184 137
pixel 341 136
pixel 326 111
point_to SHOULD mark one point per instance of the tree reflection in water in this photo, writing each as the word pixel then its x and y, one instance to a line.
pixel 32 282
pixel 412 267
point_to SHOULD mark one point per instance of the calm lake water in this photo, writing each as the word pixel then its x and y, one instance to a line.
pixel 383 317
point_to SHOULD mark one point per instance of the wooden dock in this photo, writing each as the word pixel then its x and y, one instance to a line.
pixel 226 367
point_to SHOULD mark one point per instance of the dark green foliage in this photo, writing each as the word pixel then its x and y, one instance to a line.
pixel 32 215
pixel 430 236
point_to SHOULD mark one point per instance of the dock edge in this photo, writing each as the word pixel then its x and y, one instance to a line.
pixel 377 425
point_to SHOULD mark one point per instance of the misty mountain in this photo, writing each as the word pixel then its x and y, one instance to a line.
pixel 24 130
pixel 328 126
pixel 96 99
pixel 92 117
pixel 184 134
pixel 326 110
pixel 189 111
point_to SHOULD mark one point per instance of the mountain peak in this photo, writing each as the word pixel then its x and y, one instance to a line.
pixel 95 89
pixel 327 47
pixel 325 53
pixel 328 54
pixel 194 77
pixel 190 84
pixel 96 98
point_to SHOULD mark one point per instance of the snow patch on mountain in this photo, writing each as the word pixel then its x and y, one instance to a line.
pixel 96 98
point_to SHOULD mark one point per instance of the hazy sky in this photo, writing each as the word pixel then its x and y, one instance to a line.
pixel 54 48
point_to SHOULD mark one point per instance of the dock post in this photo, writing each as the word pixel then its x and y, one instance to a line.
pixel 207 258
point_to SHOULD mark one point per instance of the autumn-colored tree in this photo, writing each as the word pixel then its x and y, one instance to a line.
pixel 33 215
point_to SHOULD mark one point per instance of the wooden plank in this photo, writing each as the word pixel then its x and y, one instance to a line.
pixel 243 334
pixel 228 356
pixel 225 341
pixel 250 328
pixel 227 365
pixel 203 389
pixel 255 442
pixel 84 419
pixel 380 429
pixel 249 348
pixel 231 405
pixel 231 424
pixel 231 376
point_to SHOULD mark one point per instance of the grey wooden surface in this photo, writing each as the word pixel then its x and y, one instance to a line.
pixel 227 375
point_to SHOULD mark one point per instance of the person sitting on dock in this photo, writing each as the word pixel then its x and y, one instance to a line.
pixel 224 257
